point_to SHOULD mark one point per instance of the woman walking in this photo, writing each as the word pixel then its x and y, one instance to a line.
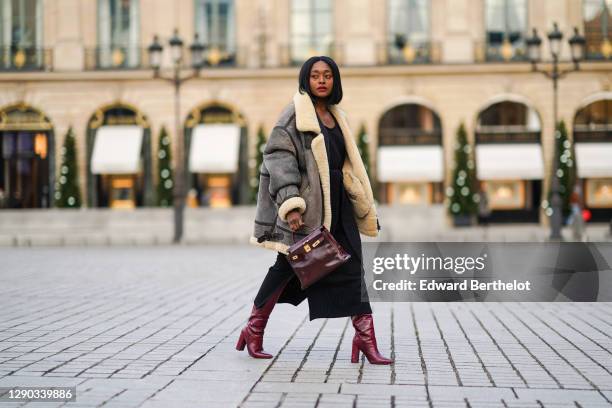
pixel 312 174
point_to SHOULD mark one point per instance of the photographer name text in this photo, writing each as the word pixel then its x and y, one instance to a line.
pixel 464 284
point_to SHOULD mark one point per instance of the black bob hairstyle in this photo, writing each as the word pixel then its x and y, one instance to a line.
pixel 304 80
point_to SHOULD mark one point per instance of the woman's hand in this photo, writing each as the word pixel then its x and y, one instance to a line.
pixel 294 219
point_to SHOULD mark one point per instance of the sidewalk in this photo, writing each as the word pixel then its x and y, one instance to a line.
pixel 156 327
pixel 154 226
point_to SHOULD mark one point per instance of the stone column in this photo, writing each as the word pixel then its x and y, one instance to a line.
pixel 68 51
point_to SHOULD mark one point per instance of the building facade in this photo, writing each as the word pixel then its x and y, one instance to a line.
pixel 413 71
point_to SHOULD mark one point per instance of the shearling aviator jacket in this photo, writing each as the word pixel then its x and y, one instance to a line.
pixel 295 175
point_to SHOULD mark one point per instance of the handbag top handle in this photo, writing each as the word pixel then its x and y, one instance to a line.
pixel 303 226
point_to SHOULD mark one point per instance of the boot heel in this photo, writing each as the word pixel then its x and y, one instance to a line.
pixel 241 342
pixel 355 353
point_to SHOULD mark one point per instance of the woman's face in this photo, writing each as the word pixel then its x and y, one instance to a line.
pixel 321 79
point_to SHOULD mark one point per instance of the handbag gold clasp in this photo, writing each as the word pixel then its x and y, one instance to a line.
pixel 316 243
pixel 307 248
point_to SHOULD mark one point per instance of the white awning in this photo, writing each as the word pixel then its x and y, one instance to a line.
pixel 509 161
pixel 117 150
pixel 594 159
pixel 410 163
pixel 214 148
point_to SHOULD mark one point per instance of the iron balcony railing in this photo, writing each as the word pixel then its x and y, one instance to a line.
pixel 115 57
pixel 408 52
pixel 500 52
pixel 296 55
pixel 221 56
pixel 101 58
pixel 599 50
pixel 15 58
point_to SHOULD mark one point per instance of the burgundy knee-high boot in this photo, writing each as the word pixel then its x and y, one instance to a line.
pixel 365 340
pixel 252 334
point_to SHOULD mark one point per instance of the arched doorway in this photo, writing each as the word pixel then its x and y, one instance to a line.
pixel 593 146
pixel 509 161
pixel 410 163
pixel 216 156
pixel 27 158
pixel 119 158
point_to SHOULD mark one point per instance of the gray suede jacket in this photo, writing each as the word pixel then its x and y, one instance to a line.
pixel 295 175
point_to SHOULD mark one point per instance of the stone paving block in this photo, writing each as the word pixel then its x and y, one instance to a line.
pixel 336 400
pixel 132 384
pixel 296 387
pixel 486 394
pixel 375 400
pixel 268 397
pixel 203 391
pixel 41 404
pixel 221 375
pixel 154 403
pixel 402 401
pixel 300 399
pixel 485 404
pixel 522 404
pixel 415 391
pixel 29 381
pixel 256 404
pixel 561 395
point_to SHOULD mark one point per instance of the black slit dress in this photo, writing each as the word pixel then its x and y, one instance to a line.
pixel 340 293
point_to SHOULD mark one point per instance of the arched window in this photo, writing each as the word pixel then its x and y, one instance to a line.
pixel 216 156
pixel 410 159
pixel 593 146
pixel 509 160
pixel 410 124
pixel 27 159
pixel 119 160
pixel 594 122
pixel 508 121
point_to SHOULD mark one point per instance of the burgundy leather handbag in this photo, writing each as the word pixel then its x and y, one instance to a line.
pixel 315 256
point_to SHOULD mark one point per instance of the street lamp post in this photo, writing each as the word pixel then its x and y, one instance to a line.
pixel 197 61
pixel 577 47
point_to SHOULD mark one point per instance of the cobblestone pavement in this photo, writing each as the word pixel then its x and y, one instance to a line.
pixel 157 326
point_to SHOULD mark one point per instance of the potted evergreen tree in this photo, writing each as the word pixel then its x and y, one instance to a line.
pixel 363 143
pixel 566 172
pixel 67 190
pixel 259 148
pixel 164 169
pixel 462 197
